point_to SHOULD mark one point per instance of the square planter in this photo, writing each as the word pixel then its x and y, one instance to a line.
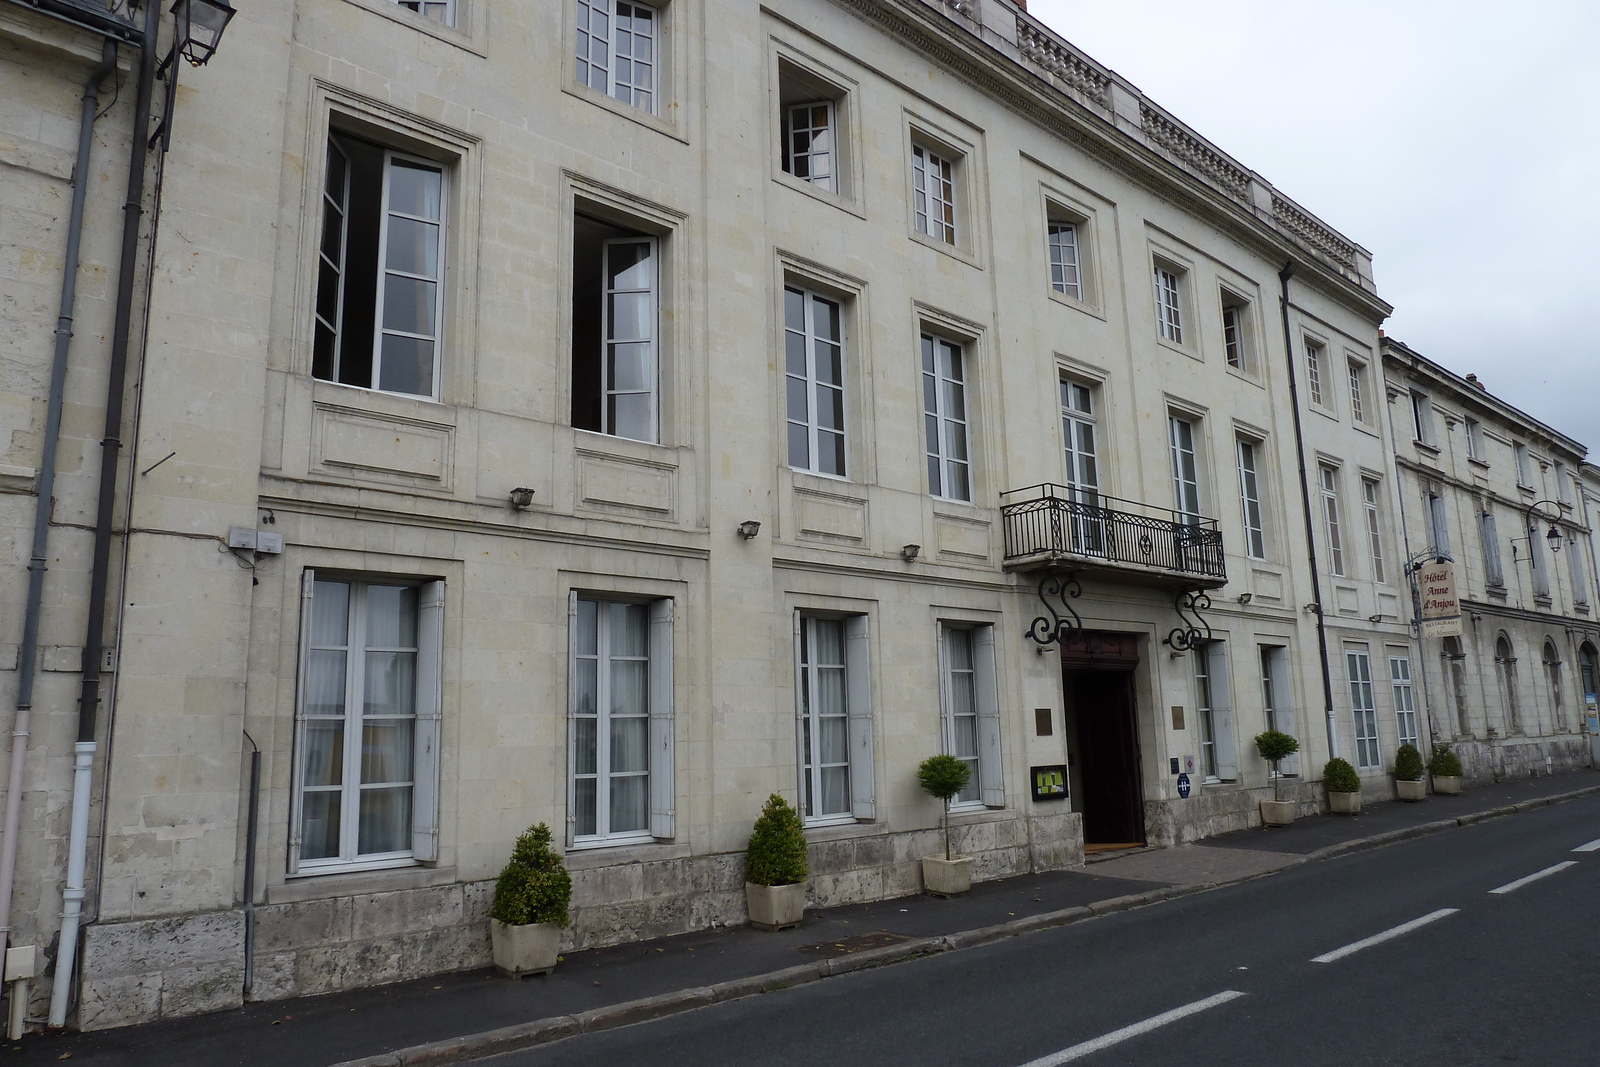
pixel 1277 812
pixel 1344 803
pixel 775 907
pixel 524 950
pixel 1411 790
pixel 1447 784
pixel 946 878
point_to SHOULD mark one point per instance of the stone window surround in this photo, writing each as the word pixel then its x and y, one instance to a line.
pixel 843 91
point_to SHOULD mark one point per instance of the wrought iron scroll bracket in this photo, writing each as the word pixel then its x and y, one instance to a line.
pixel 1055 592
pixel 1195 630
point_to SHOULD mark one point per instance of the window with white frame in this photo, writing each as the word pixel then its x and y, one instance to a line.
pixel 367 724
pixel 933 193
pixel 1422 416
pixel 1493 572
pixel 1519 452
pixel 1169 303
pixel 1214 712
pixel 1328 489
pixel 1314 354
pixel 1370 499
pixel 1236 331
pixel 1405 706
pixel 1358 668
pixel 1185 470
pixel 1358 389
pixel 380 281
pixel 441 11
pixel 620 721
pixel 618 48
pixel 1475 440
pixel 1275 700
pixel 833 703
pixel 1078 423
pixel 1255 540
pixel 970 698
pixel 1438 523
pixel 813 335
pixel 616 330
pixel 944 411
pixel 810 152
pixel 1066 269
pixel 1204 716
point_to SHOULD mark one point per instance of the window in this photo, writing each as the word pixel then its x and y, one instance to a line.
pixel 441 11
pixel 809 149
pixel 1493 574
pixel 1082 463
pixel 367 739
pixel 1314 352
pixel 618 42
pixel 616 355
pixel 1552 672
pixel 1369 497
pixel 1236 331
pixel 944 407
pixel 1475 440
pixel 1066 273
pixel 1275 700
pixel 1358 666
pixel 1169 304
pixel 1185 475
pixel 1405 707
pixel 933 194
pixel 834 703
pixel 1422 416
pixel 620 721
pixel 1524 473
pixel 1580 582
pixel 1438 525
pixel 814 375
pixel 1213 712
pixel 1328 483
pixel 1505 664
pixel 1589 675
pixel 1255 542
pixel 970 697
pixel 1536 563
pixel 1563 489
pixel 1358 390
pixel 380 282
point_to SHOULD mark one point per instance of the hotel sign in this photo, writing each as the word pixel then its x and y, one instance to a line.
pixel 1441 611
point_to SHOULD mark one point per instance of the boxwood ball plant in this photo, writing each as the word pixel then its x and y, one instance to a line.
pixel 1339 777
pixel 534 887
pixel 776 852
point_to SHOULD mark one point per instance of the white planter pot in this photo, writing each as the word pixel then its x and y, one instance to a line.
pixel 1344 803
pixel 1411 790
pixel 524 950
pixel 775 907
pixel 946 878
pixel 1447 784
pixel 1277 812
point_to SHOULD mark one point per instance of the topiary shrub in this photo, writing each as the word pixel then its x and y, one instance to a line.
pixel 776 852
pixel 1339 777
pixel 1408 764
pixel 1274 745
pixel 943 777
pixel 1444 763
pixel 534 887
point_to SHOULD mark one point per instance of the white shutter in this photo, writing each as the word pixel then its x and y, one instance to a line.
pixel 858 694
pixel 430 701
pixel 1216 653
pixel 572 713
pixel 991 779
pixel 308 585
pixel 800 724
pixel 662 797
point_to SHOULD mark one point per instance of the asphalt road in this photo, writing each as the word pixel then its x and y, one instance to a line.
pixel 1266 972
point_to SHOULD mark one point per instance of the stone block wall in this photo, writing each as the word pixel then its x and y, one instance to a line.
pixel 1219 811
pixel 1504 759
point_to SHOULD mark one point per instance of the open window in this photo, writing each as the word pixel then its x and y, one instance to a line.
pixel 1238 332
pixel 812 116
pixel 616 349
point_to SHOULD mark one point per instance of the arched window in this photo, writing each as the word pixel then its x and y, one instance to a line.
pixel 1456 675
pixel 1505 664
pixel 1552 671
pixel 1589 676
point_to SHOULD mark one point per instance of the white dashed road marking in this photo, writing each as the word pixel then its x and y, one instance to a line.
pixel 1378 939
pixel 1116 1037
pixel 1535 876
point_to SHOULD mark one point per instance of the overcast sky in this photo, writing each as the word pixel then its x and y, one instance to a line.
pixel 1457 140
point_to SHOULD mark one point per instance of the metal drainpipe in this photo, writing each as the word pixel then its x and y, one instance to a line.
pixel 110 445
pixel 1305 499
pixel 27 654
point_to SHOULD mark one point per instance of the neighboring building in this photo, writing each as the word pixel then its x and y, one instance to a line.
pixel 662 406
pixel 1511 502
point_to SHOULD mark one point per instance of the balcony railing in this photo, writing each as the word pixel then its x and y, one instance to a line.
pixel 1060 525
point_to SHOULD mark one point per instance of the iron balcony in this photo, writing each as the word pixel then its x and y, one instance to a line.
pixel 1063 528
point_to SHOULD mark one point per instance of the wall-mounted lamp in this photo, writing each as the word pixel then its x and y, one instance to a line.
pixel 521 497
pixel 749 528
pixel 1245 598
pixel 1375 618
pixel 1534 512
pixel 1312 608
pixel 199 27
pixel 909 553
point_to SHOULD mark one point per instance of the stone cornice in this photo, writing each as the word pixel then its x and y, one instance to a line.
pixel 1568 518
pixel 1591 627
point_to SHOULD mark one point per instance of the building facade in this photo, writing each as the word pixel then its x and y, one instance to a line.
pixel 1510 501
pixel 608 414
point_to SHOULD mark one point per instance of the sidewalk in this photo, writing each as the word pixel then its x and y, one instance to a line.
pixel 601 988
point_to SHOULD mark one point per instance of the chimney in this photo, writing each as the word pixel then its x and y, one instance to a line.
pixel 1473 378
pixel 1022 5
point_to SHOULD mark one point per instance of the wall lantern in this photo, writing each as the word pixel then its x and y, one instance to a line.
pixel 521 497
pixel 749 528
pixel 199 27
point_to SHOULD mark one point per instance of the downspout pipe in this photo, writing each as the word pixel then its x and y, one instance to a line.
pixel 110 447
pixel 1305 500
pixel 27 654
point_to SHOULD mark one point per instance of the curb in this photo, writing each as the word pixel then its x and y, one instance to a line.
pixel 542 1031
